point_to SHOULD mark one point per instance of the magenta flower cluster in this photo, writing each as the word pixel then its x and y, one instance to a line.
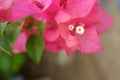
pixel 70 24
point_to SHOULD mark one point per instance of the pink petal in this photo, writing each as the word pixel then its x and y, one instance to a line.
pixel 24 8
pixel 57 45
pixel 37 16
pixel 98 1
pixel 20 44
pixel 52 46
pixel 2 14
pixel 70 51
pixel 89 41
pixel 61 42
pixel 70 40
pixel 91 18
pixel 51 34
pixel 62 17
pixel 50 12
pixel 5 4
pixel 104 21
pixel 79 8
pixel 5 15
pixel 45 3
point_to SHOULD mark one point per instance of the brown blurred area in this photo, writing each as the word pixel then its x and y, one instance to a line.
pixel 101 66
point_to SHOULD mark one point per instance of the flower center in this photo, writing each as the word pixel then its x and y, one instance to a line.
pixel 78 29
pixel 71 27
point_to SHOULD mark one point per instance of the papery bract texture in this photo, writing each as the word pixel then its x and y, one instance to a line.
pixel 70 24
pixel 78 23
pixel 20 44
pixel 5 11
pixel 27 30
pixel 24 8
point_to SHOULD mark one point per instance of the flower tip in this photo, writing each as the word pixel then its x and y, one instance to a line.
pixel 94 52
pixel 16 51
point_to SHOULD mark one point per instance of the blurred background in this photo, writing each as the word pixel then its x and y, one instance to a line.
pixel 101 66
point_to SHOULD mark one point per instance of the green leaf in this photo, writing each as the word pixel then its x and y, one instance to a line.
pixel 2 28
pixel 13 30
pixel 35 47
pixel 40 23
pixel 4 58
pixel 5 63
pixel 10 65
pixel 4 46
pixel 17 60
pixel 41 26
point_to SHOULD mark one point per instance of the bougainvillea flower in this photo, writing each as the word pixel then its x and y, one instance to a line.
pixel 26 32
pixel 87 42
pixel 20 44
pixel 63 10
pixel 5 6
pixel 49 13
pixel 82 33
pixel 23 8
pixel 74 9
pixel 104 21
pixel 58 45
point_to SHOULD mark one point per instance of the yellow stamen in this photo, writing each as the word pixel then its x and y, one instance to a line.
pixel 71 27
pixel 80 30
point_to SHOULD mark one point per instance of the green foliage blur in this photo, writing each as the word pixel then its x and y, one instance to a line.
pixel 11 63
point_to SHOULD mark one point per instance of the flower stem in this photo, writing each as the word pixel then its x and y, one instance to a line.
pixel 5 51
